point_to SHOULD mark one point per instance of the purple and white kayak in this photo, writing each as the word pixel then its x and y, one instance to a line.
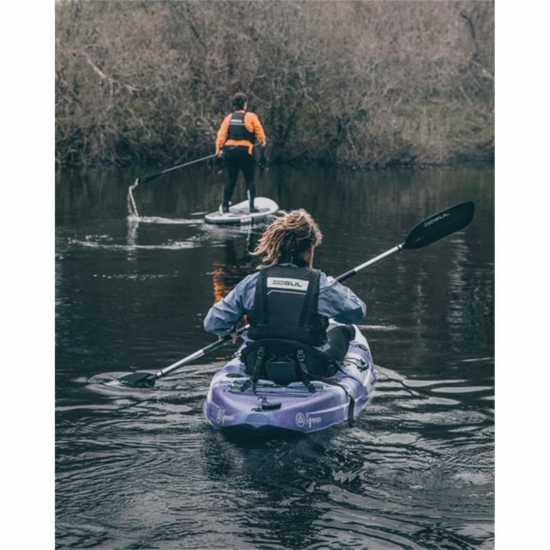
pixel 293 407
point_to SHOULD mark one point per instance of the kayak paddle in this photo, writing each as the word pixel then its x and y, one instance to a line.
pixel 432 229
pixel 147 379
pixel 429 231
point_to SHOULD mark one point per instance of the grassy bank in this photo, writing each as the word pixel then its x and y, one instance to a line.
pixel 356 83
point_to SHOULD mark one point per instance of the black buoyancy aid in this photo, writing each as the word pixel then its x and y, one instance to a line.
pixel 237 128
pixel 286 306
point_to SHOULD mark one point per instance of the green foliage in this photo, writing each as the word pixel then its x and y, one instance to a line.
pixel 359 83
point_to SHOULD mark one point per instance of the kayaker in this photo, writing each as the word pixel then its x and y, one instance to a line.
pixel 288 300
pixel 235 144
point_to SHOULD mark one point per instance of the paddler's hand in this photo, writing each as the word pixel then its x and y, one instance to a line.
pixel 236 338
pixel 218 161
pixel 262 162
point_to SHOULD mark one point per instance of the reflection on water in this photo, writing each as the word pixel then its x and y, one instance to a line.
pixel 141 468
pixel 237 264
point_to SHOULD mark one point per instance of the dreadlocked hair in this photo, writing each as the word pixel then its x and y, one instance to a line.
pixel 289 238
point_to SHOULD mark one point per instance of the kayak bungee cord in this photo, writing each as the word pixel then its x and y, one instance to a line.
pixel 430 230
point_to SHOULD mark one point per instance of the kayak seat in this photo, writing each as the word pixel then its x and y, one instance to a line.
pixel 286 361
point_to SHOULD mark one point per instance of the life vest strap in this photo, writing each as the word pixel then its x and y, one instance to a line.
pixel 286 361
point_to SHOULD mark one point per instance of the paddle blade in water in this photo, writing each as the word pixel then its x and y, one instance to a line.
pixel 139 380
pixel 440 225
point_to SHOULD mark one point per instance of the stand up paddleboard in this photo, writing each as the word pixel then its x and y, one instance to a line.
pixel 240 213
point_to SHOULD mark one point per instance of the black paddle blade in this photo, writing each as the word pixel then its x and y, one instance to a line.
pixel 440 225
pixel 139 380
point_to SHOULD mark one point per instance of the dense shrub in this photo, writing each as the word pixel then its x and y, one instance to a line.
pixel 354 82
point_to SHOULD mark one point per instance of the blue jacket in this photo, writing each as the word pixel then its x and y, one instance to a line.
pixel 336 301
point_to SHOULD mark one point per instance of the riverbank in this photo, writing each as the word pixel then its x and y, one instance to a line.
pixel 363 84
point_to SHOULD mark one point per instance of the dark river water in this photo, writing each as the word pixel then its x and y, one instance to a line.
pixel 138 468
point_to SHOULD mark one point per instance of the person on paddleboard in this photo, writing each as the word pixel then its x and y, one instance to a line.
pixel 289 304
pixel 235 144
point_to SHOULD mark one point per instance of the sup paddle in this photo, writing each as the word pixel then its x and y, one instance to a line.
pixel 131 200
pixel 176 167
pixel 430 230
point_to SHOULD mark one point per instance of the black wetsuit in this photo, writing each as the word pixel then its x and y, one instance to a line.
pixel 238 159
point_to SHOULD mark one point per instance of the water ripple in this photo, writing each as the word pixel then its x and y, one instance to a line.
pixel 140 468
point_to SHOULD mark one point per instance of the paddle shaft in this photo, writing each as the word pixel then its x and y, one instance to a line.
pixel 372 261
pixel 177 167
pixel 200 353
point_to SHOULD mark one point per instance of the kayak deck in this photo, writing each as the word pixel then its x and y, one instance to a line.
pixel 232 402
